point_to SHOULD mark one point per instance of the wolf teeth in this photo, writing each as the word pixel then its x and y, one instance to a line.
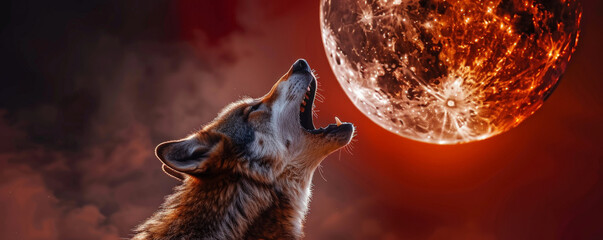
pixel 337 121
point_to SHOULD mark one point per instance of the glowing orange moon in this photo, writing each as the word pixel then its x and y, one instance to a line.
pixel 449 71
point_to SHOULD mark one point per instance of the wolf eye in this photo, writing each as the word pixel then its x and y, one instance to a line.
pixel 255 107
pixel 251 109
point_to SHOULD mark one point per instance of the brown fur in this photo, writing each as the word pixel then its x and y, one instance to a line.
pixel 247 174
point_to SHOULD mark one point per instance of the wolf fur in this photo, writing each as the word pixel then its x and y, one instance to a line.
pixel 247 174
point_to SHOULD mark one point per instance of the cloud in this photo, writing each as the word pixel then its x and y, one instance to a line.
pixel 83 167
pixel 88 97
pixel 110 181
pixel 29 209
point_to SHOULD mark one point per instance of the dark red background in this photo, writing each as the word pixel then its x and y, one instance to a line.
pixel 90 88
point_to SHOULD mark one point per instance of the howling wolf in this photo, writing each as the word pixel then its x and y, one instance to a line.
pixel 247 174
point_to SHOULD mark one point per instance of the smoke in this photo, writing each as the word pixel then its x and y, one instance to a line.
pixel 81 165
pixel 90 88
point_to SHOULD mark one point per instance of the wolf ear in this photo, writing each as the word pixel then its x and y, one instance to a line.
pixel 172 173
pixel 187 155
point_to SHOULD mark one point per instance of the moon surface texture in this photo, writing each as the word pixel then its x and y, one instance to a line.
pixel 449 71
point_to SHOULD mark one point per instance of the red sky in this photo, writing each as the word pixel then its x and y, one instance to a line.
pixel 77 157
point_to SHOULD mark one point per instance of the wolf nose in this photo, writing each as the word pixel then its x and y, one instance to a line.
pixel 300 66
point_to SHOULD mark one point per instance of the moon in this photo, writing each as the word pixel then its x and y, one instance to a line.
pixel 447 72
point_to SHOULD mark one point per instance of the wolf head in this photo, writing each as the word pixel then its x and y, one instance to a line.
pixel 259 138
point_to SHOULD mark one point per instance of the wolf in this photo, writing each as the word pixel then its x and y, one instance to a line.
pixel 247 174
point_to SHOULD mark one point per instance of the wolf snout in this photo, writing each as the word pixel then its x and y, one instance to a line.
pixel 300 66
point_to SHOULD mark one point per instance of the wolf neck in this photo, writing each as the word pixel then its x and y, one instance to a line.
pixel 221 209
pixel 232 208
pixel 284 219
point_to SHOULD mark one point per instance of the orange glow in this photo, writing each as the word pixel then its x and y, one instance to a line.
pixel 402 64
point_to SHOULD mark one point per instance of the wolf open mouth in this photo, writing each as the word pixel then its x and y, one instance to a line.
pixel 305 109
pixel 305 113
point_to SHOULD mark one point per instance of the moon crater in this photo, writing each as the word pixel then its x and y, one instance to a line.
pixel 449 72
